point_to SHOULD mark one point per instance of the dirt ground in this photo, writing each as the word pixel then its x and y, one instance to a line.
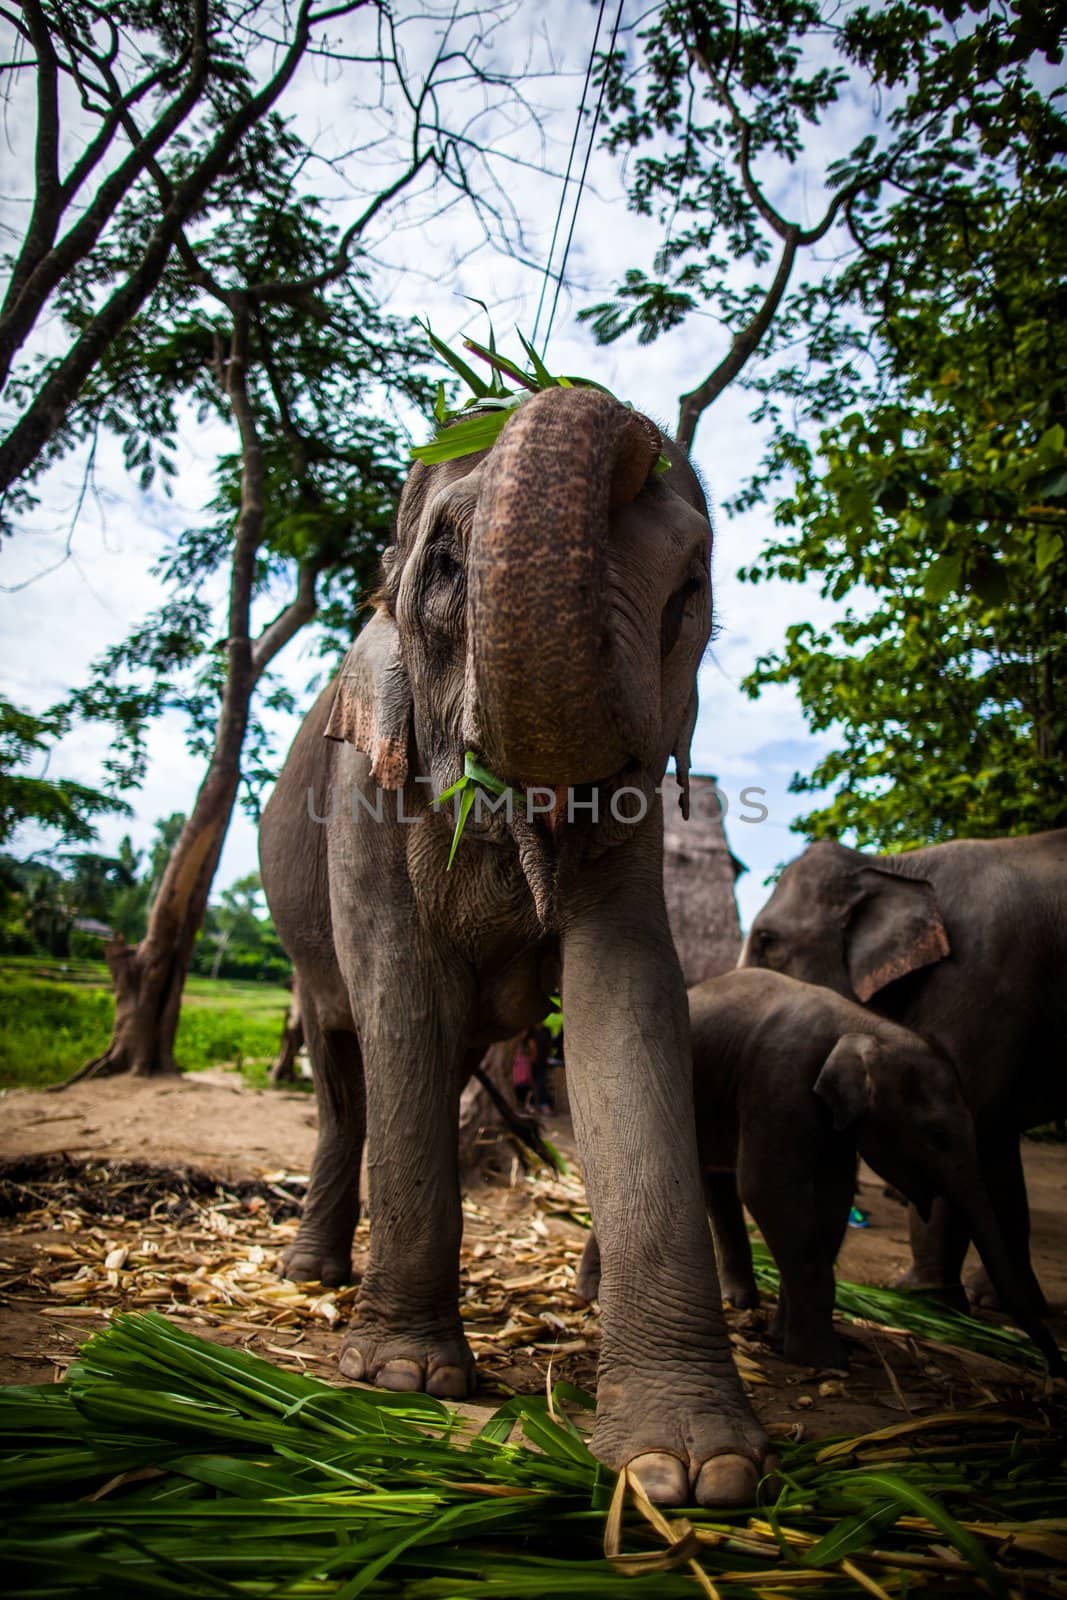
pixel 83 1232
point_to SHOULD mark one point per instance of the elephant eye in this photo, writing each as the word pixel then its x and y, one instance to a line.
pixel 443 566
pixel 674 611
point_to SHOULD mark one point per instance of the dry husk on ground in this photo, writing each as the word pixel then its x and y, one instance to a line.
pixel 959 1470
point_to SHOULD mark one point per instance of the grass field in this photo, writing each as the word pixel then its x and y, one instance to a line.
pixel 56 1015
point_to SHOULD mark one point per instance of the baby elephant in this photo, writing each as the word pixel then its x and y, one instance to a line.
pixel 790 1081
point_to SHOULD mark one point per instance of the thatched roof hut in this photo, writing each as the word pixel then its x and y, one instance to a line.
pixel 699 872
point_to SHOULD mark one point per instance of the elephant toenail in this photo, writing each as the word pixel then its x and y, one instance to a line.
pixel 662 1477
pixel 447 1383
pixel 403 1376
pixel 727 1481
pixel 352 1364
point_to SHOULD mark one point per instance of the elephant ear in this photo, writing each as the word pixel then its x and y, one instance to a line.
pixel 681 751
pixel 894 929
pixel 845 1081
pixel 372 707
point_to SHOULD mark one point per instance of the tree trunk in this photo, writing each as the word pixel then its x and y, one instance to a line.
pixel 284 1068
pixel 492 1129
pixel 149 977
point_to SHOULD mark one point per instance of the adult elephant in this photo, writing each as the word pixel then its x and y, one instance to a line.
pixel 545 606
pixel 965 942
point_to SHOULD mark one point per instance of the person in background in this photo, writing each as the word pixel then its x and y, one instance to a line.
pixel 522 1070
pixel 545 1048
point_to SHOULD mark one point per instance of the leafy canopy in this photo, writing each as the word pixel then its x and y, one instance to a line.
pixel 58 805
pixel 940 510
pixel 326 372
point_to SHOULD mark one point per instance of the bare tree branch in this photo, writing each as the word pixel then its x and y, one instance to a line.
pixel 695 403
pixel 47 411
pixel 289 621
pixel 52 266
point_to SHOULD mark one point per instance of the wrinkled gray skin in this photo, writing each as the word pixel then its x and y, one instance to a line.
pixel 790 1081
pixel 966 943
pixel 544 605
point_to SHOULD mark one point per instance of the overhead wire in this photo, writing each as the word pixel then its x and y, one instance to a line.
pixel 567 175
pixel 585 167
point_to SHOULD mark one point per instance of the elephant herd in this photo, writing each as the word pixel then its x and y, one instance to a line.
pixel 542 612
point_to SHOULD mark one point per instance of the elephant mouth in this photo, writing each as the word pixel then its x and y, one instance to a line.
pixel 543 836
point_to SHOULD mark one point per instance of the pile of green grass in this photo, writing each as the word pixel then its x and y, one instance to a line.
pixel 914 1313
pixel 56 1016
pixel 167 1466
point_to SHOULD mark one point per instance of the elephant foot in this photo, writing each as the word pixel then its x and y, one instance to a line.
pixel 437 1361
pixel 712 1453
pixel 739 1293
pixel 983 1297
pixel 306 1261
pixel 821 1350
pixel 946 1294
pixel 981 1293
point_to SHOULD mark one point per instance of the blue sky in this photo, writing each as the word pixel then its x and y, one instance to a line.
pixel 61 609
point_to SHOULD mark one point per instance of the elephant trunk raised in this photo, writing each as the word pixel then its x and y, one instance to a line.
pixel 540 616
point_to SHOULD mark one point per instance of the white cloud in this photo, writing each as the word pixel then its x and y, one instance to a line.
pixel 55 626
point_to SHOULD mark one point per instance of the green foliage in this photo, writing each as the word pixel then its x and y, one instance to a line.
pixel 54 1018
pixel 726 104
pixel 921 345
pixel 327 371
pixel 942 508
pixel 56 804
pixel 474 777
pixel 493 404
pixel 49 1027
pixel 167 1465
pixel 238 939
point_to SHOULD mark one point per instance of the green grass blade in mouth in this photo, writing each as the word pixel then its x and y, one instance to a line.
pixel 465 804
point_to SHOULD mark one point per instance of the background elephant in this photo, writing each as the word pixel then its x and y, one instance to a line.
pixel 965 942
pixel 789 1082
pixel 544 605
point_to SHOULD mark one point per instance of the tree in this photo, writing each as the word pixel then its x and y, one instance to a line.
pixel 944 504
pixel 160 105
pixel 55 804
pixel 919 348
pixel 718 118
pixel 239 919
pixel 137 76
pixel 270 324
pixel 94 880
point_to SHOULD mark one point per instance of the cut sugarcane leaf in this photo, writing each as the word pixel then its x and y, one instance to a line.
pixel 466 801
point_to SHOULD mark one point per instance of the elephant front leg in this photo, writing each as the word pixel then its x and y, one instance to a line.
pixel 408 1334
pixel 733 1248
pixel 792 1222
pixel 938 1247
pixel 322 1249
pixel 669 1401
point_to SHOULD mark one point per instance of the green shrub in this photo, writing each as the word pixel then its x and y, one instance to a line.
pixel 54 1017
pixel 48 1029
